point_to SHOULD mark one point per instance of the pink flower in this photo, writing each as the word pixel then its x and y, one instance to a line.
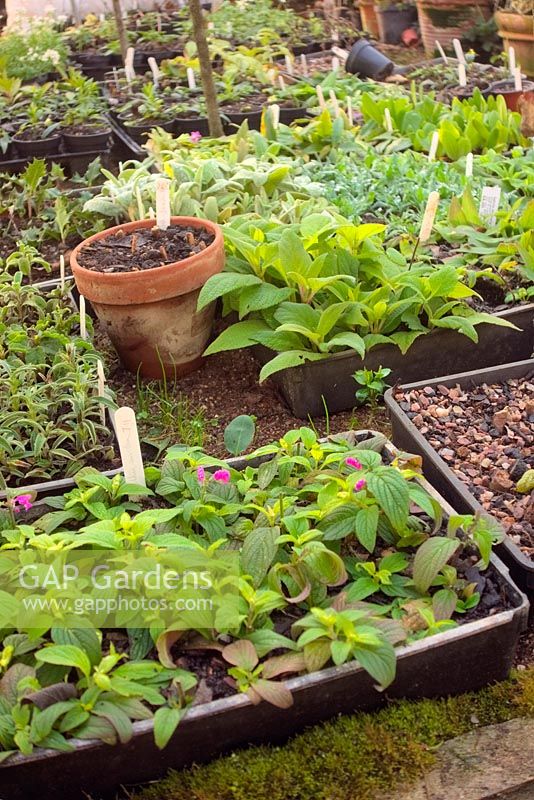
pixel 353 462
pixel 22 501
pixel 195 136
pixel 359 486
pixel 201 474
pixel 221 475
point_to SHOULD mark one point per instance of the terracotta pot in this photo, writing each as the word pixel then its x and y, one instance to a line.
pixel 517 30
pixel 445 20
pixel 369 17
pixel 509 92
pixel 150 316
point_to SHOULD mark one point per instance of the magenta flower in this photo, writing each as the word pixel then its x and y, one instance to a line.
pixel 221 475
pixel 360 485
pixel 195 136
pixel 22 501
pixel 353 462
pixel 201 474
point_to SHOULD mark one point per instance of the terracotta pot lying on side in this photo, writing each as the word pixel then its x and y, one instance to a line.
pixel 150 315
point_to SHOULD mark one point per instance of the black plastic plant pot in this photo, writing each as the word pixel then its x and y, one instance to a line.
pixel 200 124
pixel 234 120
pixel 368 62
pixel 139 133
pixel 141 56
pixel 81 143
pixel 458 660
pixel 442 477
pixel 38 147
pixel 93 60
pixel 309 387
pixel 393 21
pixel 289 115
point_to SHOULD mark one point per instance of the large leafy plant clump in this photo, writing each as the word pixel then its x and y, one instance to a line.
pixel 475 125
pixel 343 555
pixel 324 286
pixel 50 422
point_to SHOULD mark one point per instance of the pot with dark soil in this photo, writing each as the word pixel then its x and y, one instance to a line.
pixel 139 128
pixel 37 140
pixel 509 92
pixel 86 136
pixel 475 431
pixel 144 283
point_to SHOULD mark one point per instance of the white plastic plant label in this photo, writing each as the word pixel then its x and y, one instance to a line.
pixel 156 74
pixel 433 146
pixel 289 64
pixel 129 64
pixel 191 81
pixel 304 65
pixel 62 271
pixel 163 204
pixel 101 379
pixel 462 76
pixel 388 122
pixel 429 216
pixel 489 203
pixel 83 318
pixel 335 102
pixel 129 446
pixel 281 82
pixel 442 53
pixel 275 114
pixel 469 165
pixel 320 97
pixel 458 50
pixel 511 60
pixel 518 81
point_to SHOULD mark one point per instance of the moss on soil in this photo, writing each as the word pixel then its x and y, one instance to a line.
pixel 354 757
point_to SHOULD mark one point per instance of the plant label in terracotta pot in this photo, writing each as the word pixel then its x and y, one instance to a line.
pixel 144 282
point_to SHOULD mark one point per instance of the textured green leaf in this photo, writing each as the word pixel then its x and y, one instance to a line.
pixel 430 558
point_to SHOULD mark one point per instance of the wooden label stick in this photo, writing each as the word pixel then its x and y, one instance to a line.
pixel 83 321
pixel 462 77
pixel 441 51
pixel 101 389
pixel 433 146
pixel 304 65
pixel 163 204
pixel 489 203
pixel 388 121
pixel 458 50
pixel 320 97
pixel 289 64
pixel 129 446
pixel 191 78
pixel 469 165
pixel 154 70
pixel 335 102
pixel 62 271
pixel 429 216
pixel 511 60
pixel 518 82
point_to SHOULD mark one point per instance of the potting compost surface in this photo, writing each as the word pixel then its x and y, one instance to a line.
pixel 146 248
pixel 486 436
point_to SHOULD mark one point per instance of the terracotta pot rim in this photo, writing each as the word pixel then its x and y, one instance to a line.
pixel 144 275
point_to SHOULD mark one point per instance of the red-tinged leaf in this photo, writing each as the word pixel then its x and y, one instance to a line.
pixel 316 655
pixel 242 654
pixel 288 662
pixel 275 693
